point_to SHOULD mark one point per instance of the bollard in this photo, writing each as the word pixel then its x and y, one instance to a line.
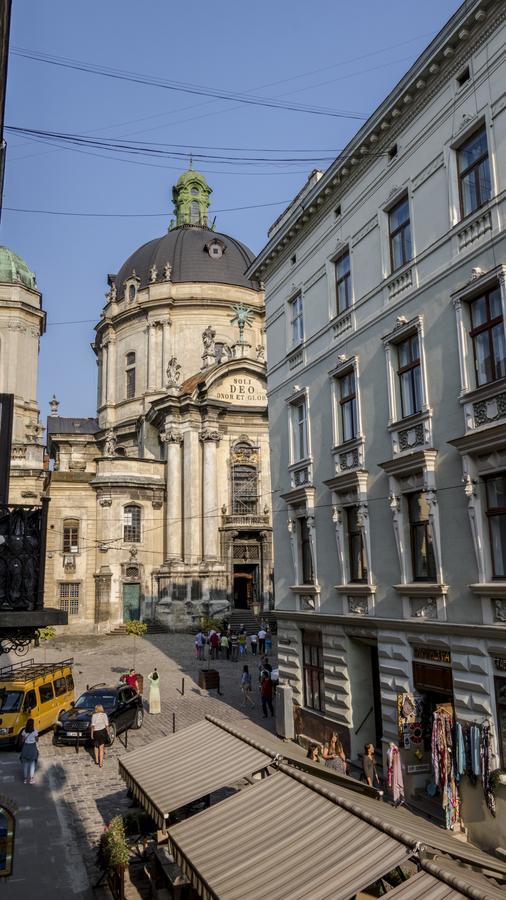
pixel 182 687
pixel 173 723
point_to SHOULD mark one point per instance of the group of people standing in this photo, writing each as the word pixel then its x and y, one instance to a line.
pixel 231 643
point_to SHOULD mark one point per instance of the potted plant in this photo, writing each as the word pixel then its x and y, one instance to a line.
pixel 113 856
pixel 44 635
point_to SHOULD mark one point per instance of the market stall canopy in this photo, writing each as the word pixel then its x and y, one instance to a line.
pixel 443 880
pixel 188 765
pixel 282 838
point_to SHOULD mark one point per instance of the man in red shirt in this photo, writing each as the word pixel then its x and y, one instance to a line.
pixel 266 693
pixel 131 680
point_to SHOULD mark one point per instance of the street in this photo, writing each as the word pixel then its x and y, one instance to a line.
pixel 72 799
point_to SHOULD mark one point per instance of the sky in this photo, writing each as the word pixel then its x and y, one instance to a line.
pixel 326 54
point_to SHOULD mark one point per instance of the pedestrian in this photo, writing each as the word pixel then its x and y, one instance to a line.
pixel 334 755
pixel 99 733
pixel 29 751
pixel 242 639
pixel 225 646
pixel 131 679
pixel 214 643
pixel 313 753
pixel 254 642
pixel 261 639
pixel 266 694
pixel 369 773
pixel 199 644
pixel 154 707
pixel 234 644
pixel 264 666
pixel 246 686
pixel 268 640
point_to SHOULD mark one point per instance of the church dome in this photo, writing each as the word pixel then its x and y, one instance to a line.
pixel 14 270
pixel 194 253
pixel 191 250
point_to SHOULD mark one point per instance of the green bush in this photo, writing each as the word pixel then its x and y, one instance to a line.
pixel 113 849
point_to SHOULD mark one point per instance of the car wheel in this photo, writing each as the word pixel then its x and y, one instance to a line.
pixel 112 734
pixel 138 719
pixel 56 742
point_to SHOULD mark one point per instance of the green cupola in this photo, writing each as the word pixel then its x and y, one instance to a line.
pixel 191 199
pixel 14 270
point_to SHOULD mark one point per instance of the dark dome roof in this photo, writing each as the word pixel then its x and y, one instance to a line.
pixel 187 250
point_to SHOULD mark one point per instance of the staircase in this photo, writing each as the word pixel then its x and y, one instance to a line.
pixel 152 628
pixel 245 618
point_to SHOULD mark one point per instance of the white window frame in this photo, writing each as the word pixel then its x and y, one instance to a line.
pixel 395 197
pixel 472 124
pixel 301 400
pixel 345 367
pixel 404 328
pixel 479 284
pixel 295 335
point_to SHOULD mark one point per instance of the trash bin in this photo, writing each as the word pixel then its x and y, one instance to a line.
pixel 209 679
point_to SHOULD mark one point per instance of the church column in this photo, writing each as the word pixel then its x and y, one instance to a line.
pixel 111 370
pixel 191 493
pixel 210 438
pixel 104 367
pixel 166 354
pixel 173 441
pixel 151 333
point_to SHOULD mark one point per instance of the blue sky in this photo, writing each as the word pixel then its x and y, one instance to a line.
pixel 355 53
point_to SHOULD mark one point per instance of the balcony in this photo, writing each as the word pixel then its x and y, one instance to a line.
pixel 246 520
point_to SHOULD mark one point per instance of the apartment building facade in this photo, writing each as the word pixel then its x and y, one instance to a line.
pixel 386 302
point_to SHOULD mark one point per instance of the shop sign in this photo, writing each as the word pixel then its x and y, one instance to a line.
pixel 432 654
pixel 500 663
pixel 420 767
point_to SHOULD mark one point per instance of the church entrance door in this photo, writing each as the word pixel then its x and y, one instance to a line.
pixel 131 601
pixel 245 586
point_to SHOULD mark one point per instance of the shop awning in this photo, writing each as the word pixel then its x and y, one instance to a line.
pixel 181 768
pixel 281 838
pixel 442 880
pixel 424 887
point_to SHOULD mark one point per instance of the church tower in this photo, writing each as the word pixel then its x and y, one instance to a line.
pixel 191 199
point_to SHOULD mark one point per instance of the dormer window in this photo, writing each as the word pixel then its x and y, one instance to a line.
pixel 215 249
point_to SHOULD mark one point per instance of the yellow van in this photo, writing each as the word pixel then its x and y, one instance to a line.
pixel 30 690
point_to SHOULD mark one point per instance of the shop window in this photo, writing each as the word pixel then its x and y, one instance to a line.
pixel 46 692
pixel 69 597
pixel 496 514
pixel 410 376
pixel 487 335
pixel 422 549
pixel 130 375
pixel 475 185
pixel 132 524
pixel 244 490
pixel 296 320
pixel 401 247
pixel 312 661
pixel 343 283
pixel 70 536
pixel 356 549
pixel 306 556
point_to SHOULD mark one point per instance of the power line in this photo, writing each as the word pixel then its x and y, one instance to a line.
pixel 55 212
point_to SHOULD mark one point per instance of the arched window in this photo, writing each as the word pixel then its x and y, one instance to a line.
pixel 132 524
pixel 6 840
pixel 132 291
pixel 194 213
pixel 130 375
pixel 71 536
pixel 244 490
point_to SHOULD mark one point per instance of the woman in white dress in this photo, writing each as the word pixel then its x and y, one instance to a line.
pixel 154 693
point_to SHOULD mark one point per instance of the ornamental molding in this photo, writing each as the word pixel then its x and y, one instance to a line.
pixel 209 434
pixel 171 436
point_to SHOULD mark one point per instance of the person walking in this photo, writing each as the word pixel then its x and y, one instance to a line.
pixel 266 694
pixel 99 733
pixel 246 686
pixel 154 707
pixel 225 646
pixel 261 639
pixel 29 751
pixel 254 643
pixel 268 640
pixel 214 643
pixel 369 773
pixel 200 642
pixel 234 644
pixel 242 639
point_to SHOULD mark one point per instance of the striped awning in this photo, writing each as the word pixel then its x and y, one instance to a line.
pixel 188 765
pixel 425 887
pixel 281 838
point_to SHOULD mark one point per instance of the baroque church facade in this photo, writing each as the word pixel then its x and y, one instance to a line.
pixel 161 505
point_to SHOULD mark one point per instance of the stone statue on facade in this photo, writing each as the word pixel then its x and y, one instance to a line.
pixel 110 443
pixel 167 271
pixel 173 372
pixel 208 337
pixel 260 350
pixel 153 274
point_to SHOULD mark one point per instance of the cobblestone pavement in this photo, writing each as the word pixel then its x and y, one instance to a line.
pixel 87 796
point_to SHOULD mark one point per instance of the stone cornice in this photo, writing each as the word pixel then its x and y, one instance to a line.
pixel 374 623
pixel 466 30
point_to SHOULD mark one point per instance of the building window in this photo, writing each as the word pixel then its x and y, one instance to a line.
pixel 356 549
pixel 130 375
pixel 132 524
pixel 312 664
pixel 401 248
pixel 132 291
pixel 422 549
pixel 343 283
pixel 475 186
pixel 297 320
pixel 194 213
pixel 487 333
pixel 69 597
pixel 299 428
pixel 496 513
pixel 70 536
pixel 244 490
pixel 410 375
pixel 306 557
pixel 348 407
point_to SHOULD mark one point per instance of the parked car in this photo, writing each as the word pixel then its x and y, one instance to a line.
pixel 122 704
pixel 30 690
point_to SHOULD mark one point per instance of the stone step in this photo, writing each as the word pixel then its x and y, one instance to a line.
pixel 152 628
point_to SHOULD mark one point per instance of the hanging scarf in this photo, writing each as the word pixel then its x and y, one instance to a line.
pixel 395 779
pixel 486 767
pixel 474 746
pixel 460 752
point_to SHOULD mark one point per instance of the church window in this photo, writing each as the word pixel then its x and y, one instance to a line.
pixel 132 524
pixel 194 213
pixel 130 375
pixel 69 597
pixel 70 536
pixel 195 191
pixel 244 490
pixel 132 290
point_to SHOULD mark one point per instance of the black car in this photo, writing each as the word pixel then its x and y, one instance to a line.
pixel 122 704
